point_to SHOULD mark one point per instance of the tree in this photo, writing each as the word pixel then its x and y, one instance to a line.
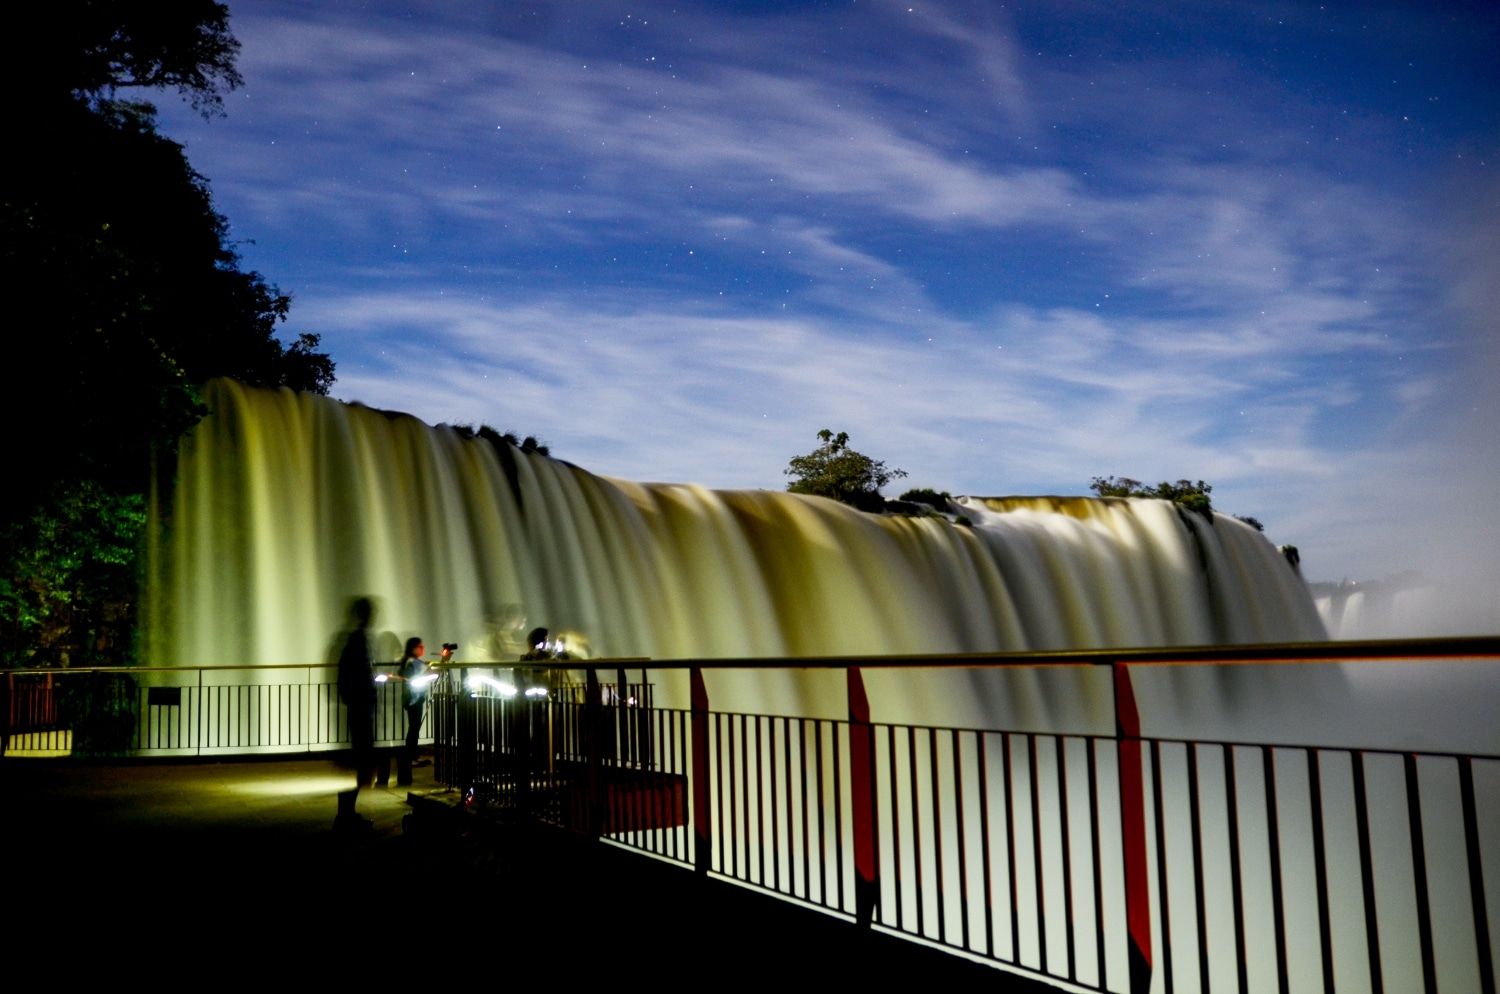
pixel 110 241
pixel 834 470
pixel 90 49
pixel 1193 496
pixel 926 495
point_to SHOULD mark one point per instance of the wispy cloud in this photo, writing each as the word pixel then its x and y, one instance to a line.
pixel 677 249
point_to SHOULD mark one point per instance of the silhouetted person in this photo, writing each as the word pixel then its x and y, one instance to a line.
pixel 357 688
pixel 537 639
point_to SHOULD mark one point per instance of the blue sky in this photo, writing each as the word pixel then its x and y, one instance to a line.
pixel 1006 247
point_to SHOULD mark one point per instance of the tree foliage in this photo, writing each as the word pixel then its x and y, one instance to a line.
pixel 90 49
pixel 69 594
pixel 926 495
pixel 834 470
pixel 132 294
pixel 1193 496
pixel 499 439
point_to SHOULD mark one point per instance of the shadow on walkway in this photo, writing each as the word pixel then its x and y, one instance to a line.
pixel 195 856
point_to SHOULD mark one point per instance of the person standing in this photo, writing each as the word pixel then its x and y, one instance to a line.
pixel 357 688
pixel 414 680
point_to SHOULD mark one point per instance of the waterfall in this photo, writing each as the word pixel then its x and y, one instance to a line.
pixel 284 506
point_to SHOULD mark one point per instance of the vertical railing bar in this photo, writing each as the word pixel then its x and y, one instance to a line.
pixel 1065 844
pixel 760 803
pixel 807 847
pixel 916 830
pixel 1036 851
pixel 1232 804
pixel 1091 745
pixel 669 769
pixel 786 753
pixel 737 839
pixel 653 787
pixel 984 840
pixel 681 725
pixel 745 785
pixel 684 751
pixel 822 823
pixel 937 835
pixel 900 887
pixel 775 808
pixel 958 824
pixel 1320 864
pixel 1476 876
pixel 1010 845
pixel 1161 866
pixel 1273 832
pixel 657 763
pixel 719 787
pixel 1419 873
pixel 1197 825
pixel 838 814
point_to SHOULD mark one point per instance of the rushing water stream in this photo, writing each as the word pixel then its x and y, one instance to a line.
pixel 287 505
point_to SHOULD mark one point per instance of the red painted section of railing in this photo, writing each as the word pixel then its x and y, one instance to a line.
pixel 1133 830
pixel 862 798
pixel 701 792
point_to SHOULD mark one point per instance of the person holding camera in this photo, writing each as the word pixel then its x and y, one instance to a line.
pixel 415 680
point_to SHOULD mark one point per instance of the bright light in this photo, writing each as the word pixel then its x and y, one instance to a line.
pixel 477 680
pixel 284 786
pixel 422 681
pixel 381 678
pixel 536 691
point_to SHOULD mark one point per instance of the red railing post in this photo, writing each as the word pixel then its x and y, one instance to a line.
pixel 862 800
pixel 1133 830
pixel 701 848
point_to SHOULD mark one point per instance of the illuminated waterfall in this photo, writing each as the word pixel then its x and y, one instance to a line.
pixel 287 505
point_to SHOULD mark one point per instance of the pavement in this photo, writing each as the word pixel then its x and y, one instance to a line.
pixel 239 859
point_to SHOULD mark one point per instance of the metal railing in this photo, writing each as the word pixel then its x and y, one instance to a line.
pixel 1124 858
pixel 187 711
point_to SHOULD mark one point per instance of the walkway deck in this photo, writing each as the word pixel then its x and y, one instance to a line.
pixel 156 855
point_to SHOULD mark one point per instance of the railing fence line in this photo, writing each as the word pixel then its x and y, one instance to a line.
pixel 1128 862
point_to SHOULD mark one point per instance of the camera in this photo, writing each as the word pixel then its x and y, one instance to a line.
pixel 450 646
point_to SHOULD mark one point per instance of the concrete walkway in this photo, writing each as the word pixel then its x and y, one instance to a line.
pixel 191 853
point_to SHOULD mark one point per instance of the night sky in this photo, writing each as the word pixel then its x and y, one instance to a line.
pixel 1006 247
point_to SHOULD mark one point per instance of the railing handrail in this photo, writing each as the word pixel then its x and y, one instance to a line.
pixel 1472 646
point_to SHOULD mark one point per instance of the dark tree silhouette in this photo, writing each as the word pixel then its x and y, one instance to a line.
pixel 126 296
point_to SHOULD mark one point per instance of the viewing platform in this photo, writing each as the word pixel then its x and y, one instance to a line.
pixel 199 857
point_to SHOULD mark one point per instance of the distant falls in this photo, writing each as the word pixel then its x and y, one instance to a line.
pixel 282 507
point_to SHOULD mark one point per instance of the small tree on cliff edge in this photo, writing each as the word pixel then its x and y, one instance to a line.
pixel 1193 496
pixel 837 471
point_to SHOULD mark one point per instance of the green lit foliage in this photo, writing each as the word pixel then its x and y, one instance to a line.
pixel 836 471
pixel 68 596
pixel 1193 496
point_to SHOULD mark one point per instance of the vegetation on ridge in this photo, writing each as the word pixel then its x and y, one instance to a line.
pixel 836 471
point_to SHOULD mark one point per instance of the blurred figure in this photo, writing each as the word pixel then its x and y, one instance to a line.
pixel 357 688
pixel 541 648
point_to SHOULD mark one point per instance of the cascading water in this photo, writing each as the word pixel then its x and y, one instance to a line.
pixel 287 505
